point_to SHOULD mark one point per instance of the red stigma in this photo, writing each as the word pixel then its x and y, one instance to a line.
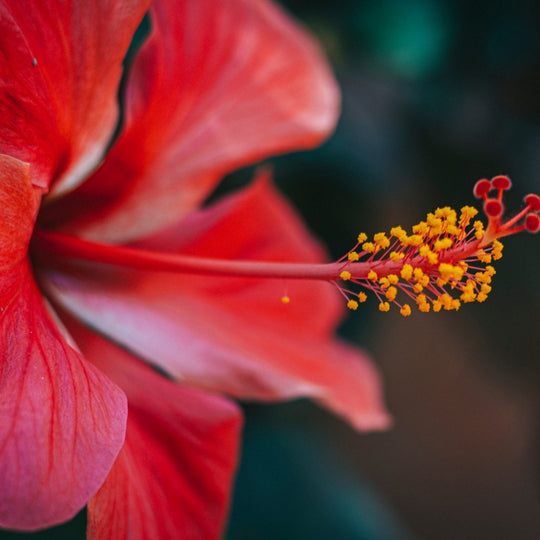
pixel 493 208
pixel 532 223
pixel 533 202
pixel 501 182
pixel 481 188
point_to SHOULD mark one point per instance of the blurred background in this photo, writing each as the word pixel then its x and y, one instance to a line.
pixel 436 94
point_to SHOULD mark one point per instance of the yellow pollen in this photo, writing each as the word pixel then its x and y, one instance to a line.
pixel 420 228
pixel 391 294
pixel 445 243
pixel 414 240
pixel 384 282
pixel 285 299
pixel 405 310
pixel 398 232
pixel 362 237
pixel 406 271
pixel 443 263
pixel 381 240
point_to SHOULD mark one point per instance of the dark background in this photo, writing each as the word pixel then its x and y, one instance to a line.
pixel 435 95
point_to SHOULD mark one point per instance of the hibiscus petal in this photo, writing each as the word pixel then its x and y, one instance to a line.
pixel 59 72
pixel 218 85
pixel 19 201
pixel 232 335
pixel 173 476
pixel 61 421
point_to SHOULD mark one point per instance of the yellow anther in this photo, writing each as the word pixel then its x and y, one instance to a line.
pixel 345 275
pixel 369 247
pixel 467 296
pixel 497 250
pixel 362 297
pixel 481 297
pixel 362 237
pixel 384 306
pixel 456 304
pixel 457 272
pixel 424 307
pixel 446 300
pixel 384 282
pixel 405 310
pixel 413 240
pixel 396 257
pixel 421 299
pixel 285 299
pixel 398 232
pixel 444 243
pixel 353 256
pixel 446 271
pixel 485 288
pixel 372 275
pixel 406 271
pixel 352 304
pixel 437 306
pixel 391 294
pixel 490 271
pixel 393 279
pixel 418 288
pixel 420 228
pixel 483 256
pixel 381 240
pixel 467 213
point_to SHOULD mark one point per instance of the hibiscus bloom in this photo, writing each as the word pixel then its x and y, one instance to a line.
pixel 116 355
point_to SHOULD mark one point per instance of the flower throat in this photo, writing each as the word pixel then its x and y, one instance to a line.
pixel 444 262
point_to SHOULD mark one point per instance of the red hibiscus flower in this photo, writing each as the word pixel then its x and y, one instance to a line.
pixel 97 235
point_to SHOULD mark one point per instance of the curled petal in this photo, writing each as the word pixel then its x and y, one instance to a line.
pixel 218 85
pixel 61 421
pixel 60 66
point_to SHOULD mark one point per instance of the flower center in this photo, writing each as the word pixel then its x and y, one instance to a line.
pixel 445 260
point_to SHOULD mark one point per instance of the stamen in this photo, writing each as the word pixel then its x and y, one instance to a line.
pixel 445 261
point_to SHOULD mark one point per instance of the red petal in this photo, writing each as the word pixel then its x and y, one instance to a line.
pixel 61 421
pixel 175 471
pixel 218 85
pixel 19 203
pixel 59 72
pixel 233 335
